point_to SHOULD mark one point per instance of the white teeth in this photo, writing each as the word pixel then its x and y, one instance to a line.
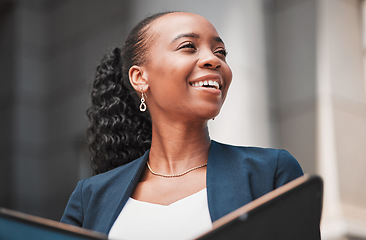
pixel 207 83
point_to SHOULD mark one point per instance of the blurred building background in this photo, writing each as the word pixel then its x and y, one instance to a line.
pixel 299 83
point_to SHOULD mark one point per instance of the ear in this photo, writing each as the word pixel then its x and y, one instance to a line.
pixel 138 78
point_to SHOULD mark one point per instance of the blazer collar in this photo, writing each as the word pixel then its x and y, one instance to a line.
pixel 131 178
pixel 223 195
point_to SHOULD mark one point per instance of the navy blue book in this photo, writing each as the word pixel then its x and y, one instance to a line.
pixel 19 226
pixel 292 211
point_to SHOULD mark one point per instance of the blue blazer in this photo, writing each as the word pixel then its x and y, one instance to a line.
pixel 235 176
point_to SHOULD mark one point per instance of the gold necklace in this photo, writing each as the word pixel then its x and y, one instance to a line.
pixel 174 175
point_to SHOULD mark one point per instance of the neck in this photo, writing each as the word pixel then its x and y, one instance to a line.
pixel 178 147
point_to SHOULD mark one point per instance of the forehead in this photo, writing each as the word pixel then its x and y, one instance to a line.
pixel 171 25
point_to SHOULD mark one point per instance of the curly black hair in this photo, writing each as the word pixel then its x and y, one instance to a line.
pixel 119 132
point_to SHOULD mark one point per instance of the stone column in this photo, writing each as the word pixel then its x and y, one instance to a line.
pixel 321 99
pixel 342 117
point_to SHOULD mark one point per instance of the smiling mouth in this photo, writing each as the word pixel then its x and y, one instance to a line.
pixel 207 84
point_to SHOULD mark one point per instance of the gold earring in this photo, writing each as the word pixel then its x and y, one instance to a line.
pixel 143 104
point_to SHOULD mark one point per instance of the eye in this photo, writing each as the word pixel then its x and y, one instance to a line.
pixel 222 52
pixel 187 45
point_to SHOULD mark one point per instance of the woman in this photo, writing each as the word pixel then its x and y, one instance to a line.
pixel 157 96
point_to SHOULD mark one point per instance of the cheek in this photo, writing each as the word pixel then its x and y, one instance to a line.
pixel 166 66
pixel 168 81
pixel 228 76
pixel 171 70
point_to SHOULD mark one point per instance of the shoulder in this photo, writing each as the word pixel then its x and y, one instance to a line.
pixel 112 181
pixel 117 176
pixel 102 182
pixel 256 154
pixel 96 196
pixel 262 162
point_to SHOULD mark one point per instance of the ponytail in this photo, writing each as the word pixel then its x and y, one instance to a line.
pixel 119 132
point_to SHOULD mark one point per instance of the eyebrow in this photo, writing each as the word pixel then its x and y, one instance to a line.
pixel 186 35
pixel 218 39
pixel 195 35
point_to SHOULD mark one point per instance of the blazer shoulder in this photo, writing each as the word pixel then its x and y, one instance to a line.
pixel 266 160
pixel 96 200
pixel 120 175
pixel 254 153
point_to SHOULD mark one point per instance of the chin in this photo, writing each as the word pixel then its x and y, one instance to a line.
pixel 204 111
pixel 207 115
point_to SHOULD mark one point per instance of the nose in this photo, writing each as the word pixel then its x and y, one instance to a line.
pixel 209 60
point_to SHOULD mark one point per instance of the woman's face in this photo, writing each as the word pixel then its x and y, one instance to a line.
pixel 186 69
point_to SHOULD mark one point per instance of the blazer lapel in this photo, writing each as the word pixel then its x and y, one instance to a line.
pixel 131 178
pixel 223 195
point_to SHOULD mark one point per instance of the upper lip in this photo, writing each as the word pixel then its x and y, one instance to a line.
pixel 212 77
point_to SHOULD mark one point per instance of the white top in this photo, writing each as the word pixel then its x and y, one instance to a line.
pixel 184 219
